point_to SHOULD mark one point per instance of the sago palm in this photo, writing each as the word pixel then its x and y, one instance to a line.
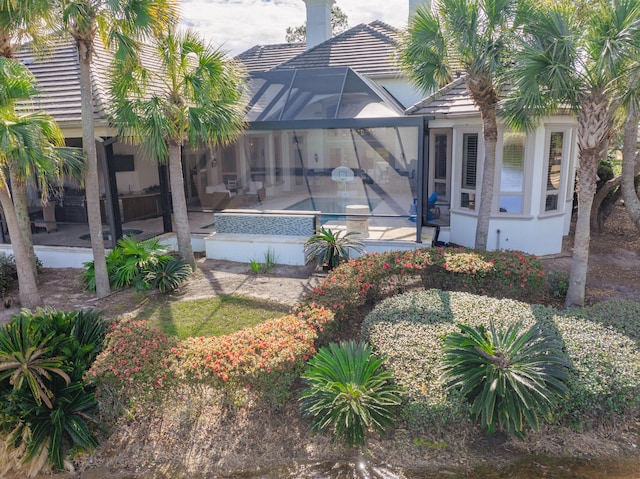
pixel 475 38
pixel 24 358
pixel 119 24
pixel 349 392
pixel 575 61
pixel 511 378
pixel 329 248
pixel 193 97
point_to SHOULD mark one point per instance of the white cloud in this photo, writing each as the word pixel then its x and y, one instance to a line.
pixel 236 25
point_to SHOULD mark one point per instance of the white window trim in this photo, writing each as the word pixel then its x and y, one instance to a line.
pixel 565 190
pixel 527 174
pixel 432 163
pixel 456 180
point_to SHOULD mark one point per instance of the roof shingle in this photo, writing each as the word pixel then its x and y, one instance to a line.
pixel 368 49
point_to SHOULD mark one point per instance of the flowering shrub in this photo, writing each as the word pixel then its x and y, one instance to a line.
pixel 370 278
pixel 266 358
pixel 136 359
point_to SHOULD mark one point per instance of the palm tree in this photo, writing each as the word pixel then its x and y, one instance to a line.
pixel 474 36
pixel 193 97
pixel 575 61
pixel 119 23
pixel 22 20
pixel 31 148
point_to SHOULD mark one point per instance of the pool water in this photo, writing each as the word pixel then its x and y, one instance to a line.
pixel 333 209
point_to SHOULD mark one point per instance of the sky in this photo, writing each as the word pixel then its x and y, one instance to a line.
pixel 237 25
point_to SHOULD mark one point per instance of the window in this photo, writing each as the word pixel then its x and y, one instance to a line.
pixel 469 170
pixel 554 170
pixel 441 165
pixel 512 173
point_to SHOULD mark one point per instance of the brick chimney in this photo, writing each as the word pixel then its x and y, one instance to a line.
pixel 318 21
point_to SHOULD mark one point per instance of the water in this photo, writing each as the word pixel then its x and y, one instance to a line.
pixel 333 209
pixel 529 468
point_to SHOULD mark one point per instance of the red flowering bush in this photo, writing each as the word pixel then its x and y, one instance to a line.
pixel 370 278
pixel 266 358
pixel 136 359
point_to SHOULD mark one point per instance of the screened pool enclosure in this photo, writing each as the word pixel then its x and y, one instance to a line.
pixel 324 140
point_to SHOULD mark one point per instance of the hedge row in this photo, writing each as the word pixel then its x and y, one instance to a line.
pixel 372 277
pixel 265 359
pixel 605 358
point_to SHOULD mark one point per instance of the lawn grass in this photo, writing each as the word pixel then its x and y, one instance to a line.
pixel 215 316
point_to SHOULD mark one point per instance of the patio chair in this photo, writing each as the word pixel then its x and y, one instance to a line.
pixel 433 212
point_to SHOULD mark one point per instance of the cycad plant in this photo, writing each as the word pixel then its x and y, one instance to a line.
pixel 511 378
pixel 24 359
pixel 328 248
pixel 348 392
pixel 44 403
pixel 143 264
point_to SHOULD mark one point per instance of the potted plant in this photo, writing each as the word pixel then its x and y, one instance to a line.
pixel 328 249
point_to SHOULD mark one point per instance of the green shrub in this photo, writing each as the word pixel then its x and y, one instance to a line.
pixel 511 377
pixel 622 315
pixel 558 284
pixel 604 378
pixel 603 352
pixel 45 406
pixel 9 273
pixel 142 264
pixel 349 392
pixel 166 276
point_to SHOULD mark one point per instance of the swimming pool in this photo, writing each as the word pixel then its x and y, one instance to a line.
pixel 332 209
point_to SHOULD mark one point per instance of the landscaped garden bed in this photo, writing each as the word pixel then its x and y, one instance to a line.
pixel 226 393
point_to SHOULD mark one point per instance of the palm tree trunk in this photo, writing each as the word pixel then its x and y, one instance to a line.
pixel 19 195
pixel 180 217
pixel 484 95
pixel 28 287
pixel 582 237
pixel 630 164
pixel 91 182
pixel 490 134
pixel 594 126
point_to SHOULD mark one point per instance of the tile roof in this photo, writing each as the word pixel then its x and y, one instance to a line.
pixel 451 100
pixel 366 48
pixel 265 57
pixel 58 76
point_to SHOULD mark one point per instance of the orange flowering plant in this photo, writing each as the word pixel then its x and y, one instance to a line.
pixel 266 358
pixel 136 359
pixel 372 277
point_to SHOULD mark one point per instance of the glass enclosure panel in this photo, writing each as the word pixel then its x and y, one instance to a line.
pixel 269 96
pixel 314 94
pixel 360 101
pixel 326 170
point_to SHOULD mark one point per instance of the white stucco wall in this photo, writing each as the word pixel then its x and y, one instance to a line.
pixel 535 230
pixel 400 89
